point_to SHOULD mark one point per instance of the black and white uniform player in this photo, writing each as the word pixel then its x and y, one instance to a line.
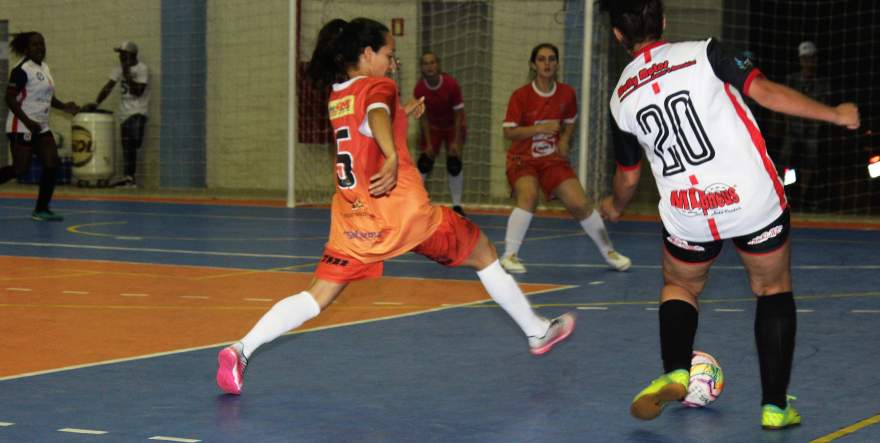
pixel 681 103
pixel 35 87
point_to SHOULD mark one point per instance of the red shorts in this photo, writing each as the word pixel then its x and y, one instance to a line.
pixel 450 245
pixel 441 136
pixel 550 171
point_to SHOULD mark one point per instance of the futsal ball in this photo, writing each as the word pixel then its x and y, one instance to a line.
pixel 707 381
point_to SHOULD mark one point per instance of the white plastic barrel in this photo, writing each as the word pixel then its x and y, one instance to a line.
pixel 92 143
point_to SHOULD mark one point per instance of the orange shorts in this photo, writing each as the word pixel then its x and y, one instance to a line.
pixel 450 245
pixel 550 171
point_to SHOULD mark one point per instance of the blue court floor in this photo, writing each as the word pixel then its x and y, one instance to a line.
pixel 461 374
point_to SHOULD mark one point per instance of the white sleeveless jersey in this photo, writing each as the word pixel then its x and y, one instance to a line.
pixel 35 90
pixel 680 103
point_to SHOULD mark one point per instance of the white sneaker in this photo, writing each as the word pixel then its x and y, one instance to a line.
pixel 512 264
pixel 560 328
pixel 618 261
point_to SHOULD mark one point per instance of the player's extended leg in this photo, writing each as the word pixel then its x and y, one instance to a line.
pixel 425 163
pixel 47 151
pixel 581 208
pixel 525 192
pixel 775 330
pixel 504 290
pixel 456 180
pixel 21 160
pixel 682 284
pixel 284 316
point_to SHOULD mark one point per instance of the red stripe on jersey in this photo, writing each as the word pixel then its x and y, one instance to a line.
pixel 656 87
pixel 623 167
pixel 714 228
pixel 15 117
pixel 748 83
pixel 760 145
pixel 693 180
pixel 647 50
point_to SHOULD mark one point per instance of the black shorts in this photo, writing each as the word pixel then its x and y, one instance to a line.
pixel 22 138
pixel 764 240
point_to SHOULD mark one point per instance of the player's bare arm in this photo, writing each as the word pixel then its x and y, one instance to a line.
pixel 415 108
pixel 380 124
pixel 624 188
pixel 781 98
pixel 522 132
pixel 564 143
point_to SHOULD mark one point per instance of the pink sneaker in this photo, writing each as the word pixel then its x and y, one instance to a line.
pixel 560 328
pixel 230 370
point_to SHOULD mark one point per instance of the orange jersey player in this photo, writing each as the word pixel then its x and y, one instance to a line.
pixel 380 209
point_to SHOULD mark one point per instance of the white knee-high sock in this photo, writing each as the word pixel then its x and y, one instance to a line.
pixel 517 225
pixel 456 184
pixel 595 228
pixel 287 314
pixel 507 293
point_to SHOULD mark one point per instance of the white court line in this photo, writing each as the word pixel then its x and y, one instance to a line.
pixel 199 297
pixel 865 311
pixel 592 308
pixel 597 282
pixel 387 303
pixel 6 423
pixel 258 299
pixel 82 431
pixel 75 292
pixel 134 295
pixel 296 332
pixel 728 310
pixel 183 440
pixel 19 289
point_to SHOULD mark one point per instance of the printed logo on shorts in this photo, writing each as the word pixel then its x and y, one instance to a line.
pixel 335 261
pixel 715 199
pixel 766 235
pixel 341 107
pixel 683 244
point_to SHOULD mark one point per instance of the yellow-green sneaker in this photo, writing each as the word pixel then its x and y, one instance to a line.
pixel 773 418
pixel 649 403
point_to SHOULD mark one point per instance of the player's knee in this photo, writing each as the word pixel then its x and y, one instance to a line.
pixel 453 165
pixel 425 163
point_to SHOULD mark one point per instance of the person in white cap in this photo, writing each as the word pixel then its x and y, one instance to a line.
pixel 134 77
pixel 800 149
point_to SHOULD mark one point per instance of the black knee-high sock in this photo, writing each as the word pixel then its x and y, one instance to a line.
pixel 678 326
pixel 6 173
pixel 47 188
pixel 775 328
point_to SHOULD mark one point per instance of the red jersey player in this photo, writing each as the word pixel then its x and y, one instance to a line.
pixel 444 125
pixel 539 123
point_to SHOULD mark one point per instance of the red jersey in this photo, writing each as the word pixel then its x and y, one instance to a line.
pixel 441 101
pixel 369 228
pixel 529 107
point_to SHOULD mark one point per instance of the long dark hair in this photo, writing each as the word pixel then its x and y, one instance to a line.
pixel 534 56
pixel 637 20
pixel 21 41
pixel 339 47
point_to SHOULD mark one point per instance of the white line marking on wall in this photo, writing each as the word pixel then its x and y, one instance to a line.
pixel 197 297
pixel 728 310
pixel 597 282
pixel 75 292
pixel 134 295
pixel 592 308
pixel 865 311
pixel 19 289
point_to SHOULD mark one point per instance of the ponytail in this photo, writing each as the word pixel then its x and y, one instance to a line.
pixel 339 47
pixel 21 41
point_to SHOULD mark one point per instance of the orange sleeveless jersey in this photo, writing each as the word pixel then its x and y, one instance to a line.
pixel 368 228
